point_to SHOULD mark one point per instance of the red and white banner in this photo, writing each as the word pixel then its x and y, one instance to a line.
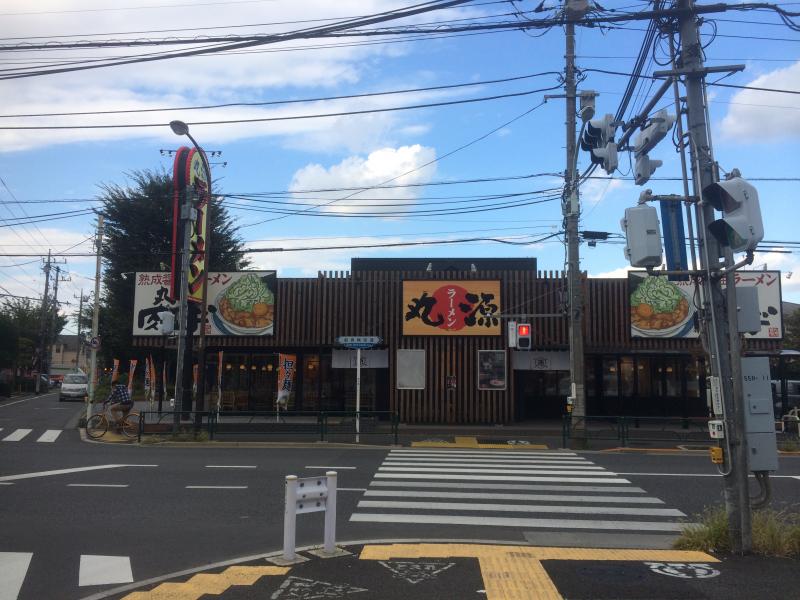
pixel 286 369
pixel 114 371
pixel 134 362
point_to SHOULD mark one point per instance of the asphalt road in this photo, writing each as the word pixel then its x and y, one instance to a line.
pixel 167 509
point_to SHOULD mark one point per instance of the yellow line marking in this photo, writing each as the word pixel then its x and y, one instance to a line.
pixel 516 572
pixel 207 583
pixel 472 442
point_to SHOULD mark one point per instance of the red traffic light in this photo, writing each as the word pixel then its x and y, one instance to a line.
pixel 523 330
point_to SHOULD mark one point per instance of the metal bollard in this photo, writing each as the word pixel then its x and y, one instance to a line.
pixel 330 514
pixel 290 518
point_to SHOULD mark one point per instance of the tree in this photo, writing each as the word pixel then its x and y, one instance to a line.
pixel 21 319
pixel 138 237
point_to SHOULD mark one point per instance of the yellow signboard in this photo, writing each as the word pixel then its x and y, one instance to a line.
pixel 198 181
pixel 451 307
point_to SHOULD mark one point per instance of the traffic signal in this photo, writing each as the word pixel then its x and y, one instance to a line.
pixel 598 140
pixel 740 227
pixel 645 167
pixel 523 336
pixel 660 125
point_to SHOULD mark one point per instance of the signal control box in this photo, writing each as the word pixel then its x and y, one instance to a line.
pixel 716 429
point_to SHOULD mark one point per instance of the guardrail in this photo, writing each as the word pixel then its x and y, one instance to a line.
pixel 324 426
pixel 631 429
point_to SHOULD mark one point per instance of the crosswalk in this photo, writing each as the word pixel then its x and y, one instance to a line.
pixel 94 570
pixel 20 434
pixel 529 490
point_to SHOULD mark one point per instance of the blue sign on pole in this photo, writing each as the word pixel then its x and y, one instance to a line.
pixel 358 341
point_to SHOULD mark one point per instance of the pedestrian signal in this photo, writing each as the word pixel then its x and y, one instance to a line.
pixel 524 336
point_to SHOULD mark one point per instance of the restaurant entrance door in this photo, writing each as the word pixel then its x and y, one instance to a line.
pixel 540 394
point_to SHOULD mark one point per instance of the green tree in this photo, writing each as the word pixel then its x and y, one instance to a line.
pixel 138 237
pixel 21 320
pixel 791 331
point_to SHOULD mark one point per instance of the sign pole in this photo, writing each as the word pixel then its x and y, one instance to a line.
pixel 358 394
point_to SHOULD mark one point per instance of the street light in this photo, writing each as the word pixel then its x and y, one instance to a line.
pixel 181 128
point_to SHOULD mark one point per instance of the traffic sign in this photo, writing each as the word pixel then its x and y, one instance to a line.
pixel 358 341
pixel 94 343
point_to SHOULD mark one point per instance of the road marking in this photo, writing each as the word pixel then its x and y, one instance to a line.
pixel 503 464
pixel 486 453
pixel 65 471
pixel 13 568
pixel 17 435
pixel 5 483
pixel 50 435
pixel 340 468
pixel 231 466
pixel 202 584
pixel 351 489
pixel 533 497
pixel 526 508
pixel 102 570
pixel 507 486
pixel 15 402
pixel 599 471
pixel 216 487
pixel 616 480
pixel 104 485
pixel 517 522
pixel 405 460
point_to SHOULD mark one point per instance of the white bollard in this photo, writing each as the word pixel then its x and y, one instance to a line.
pixel 330 514
pixel 290 518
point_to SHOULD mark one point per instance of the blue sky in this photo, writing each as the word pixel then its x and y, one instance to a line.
pixel 756 132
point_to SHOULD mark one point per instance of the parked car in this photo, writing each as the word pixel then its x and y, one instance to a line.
pixel 74 387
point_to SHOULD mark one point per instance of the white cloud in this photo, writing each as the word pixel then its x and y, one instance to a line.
pixel 403 165
pixel 594 191
pixel 754 117
pixel 259 74
pixel 620 273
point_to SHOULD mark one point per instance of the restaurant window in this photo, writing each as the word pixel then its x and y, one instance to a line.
pixel 311 374
pixel 235 382
pixel 644 377
pixel 693 378
pixel 672 378
pixel 626 376
pixel 264 381
pixel 610 380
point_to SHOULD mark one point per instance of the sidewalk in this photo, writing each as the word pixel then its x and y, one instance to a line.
pixel 421 570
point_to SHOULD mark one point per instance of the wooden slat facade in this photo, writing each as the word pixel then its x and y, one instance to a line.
pixel 312 312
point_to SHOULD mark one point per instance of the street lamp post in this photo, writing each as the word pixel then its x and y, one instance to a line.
pixel 181 128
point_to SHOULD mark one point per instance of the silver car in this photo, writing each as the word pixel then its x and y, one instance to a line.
pixel 74 387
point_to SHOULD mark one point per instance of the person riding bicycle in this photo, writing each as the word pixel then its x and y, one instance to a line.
pixel 120 401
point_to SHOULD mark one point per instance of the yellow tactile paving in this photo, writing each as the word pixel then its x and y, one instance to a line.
pixel 513 572
pixel 207 583
pixel 472 442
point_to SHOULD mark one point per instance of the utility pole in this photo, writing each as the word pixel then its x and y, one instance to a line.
pixel 724 344
pixel 43 326
pixel 571 210
pixel 80 337
pixel 54 316
pixel 95 315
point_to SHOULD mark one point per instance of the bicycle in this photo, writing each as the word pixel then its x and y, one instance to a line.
pixel 98 423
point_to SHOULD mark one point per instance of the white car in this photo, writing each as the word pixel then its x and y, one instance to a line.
pixel 74 387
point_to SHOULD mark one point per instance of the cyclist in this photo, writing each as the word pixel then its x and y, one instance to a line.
pixel 120 401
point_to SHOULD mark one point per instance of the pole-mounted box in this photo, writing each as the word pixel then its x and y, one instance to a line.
pixel 642 236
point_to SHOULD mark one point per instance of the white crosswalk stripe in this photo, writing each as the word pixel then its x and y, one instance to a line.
pixel 20 434
pixel 527 490
pixel 17 435
pixel 13 568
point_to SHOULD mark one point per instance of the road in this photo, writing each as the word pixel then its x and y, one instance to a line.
pixel 80 517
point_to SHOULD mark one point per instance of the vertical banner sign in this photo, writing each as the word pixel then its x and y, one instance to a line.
pixel 189 177
pixel 115 371
pixel 219 379
pixel 147 377
pixel 134 362
pixel 153 379
pixel 164 380
pixel 285 377
pixel 195 372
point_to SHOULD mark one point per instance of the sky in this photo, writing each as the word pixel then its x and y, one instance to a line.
pixel 449 159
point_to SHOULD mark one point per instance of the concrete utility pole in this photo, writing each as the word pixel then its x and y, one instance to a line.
pixel 95 315
pixel 54 315
pixel 571 210
pixel 720 315
pixel 43 326
pixel 80 338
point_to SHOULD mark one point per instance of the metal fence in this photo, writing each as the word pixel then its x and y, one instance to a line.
pixel 629 430
pixel 301 426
